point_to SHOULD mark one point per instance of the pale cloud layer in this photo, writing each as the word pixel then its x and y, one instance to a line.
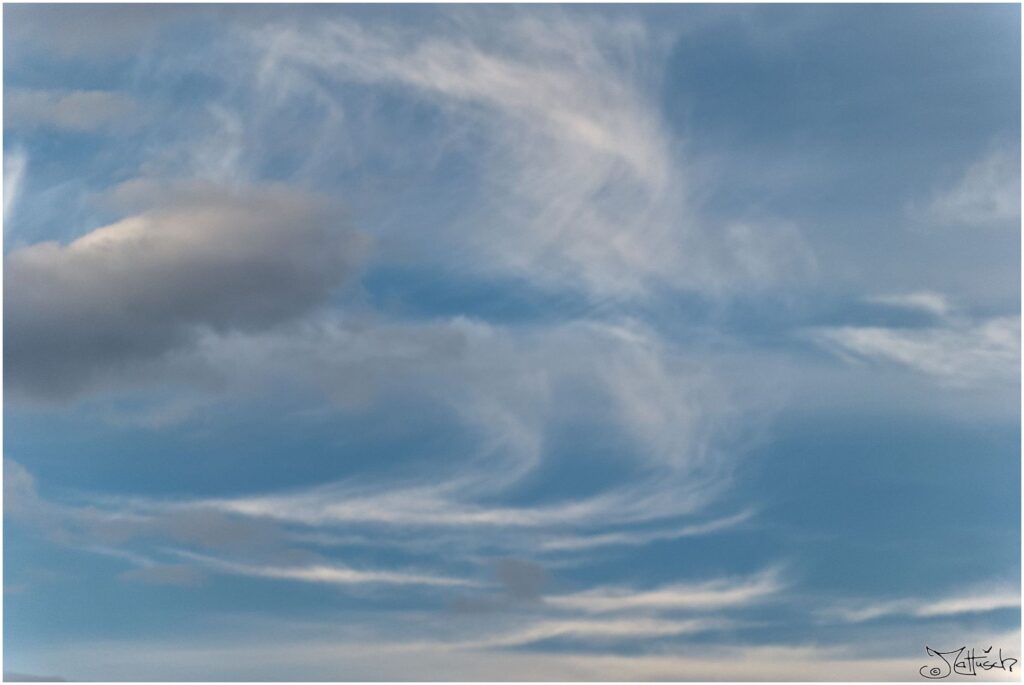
pixel 411 660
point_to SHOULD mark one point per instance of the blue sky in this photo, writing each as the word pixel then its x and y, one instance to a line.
pixel 510 342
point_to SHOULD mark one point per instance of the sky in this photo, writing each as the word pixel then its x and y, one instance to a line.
pixel 614 342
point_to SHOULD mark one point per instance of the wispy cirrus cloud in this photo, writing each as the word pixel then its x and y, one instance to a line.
pixel 326 573
pixel 954 349
pixel 596 631
pixel 714 594
pixel 643 537
pixel 981 599
pixel 961 353
pixel 583 187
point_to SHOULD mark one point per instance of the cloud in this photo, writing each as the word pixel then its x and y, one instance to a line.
pixel 198 258
pixel 323 659
pixel 522 580
pixel 601 631
pixel 506 390
pixel 449 505
pixel 988 194
pixel 568 177
pixel 164 574
pixel 504 387
pixel 989 597
pixel 643 537
pixel 22 500
pixel 713 594
pixel 91 33
pixel 503 384
pixel 329 574
pixel 581 185
pixel 957 352
pixel 522 583
pixel 321 656
pixel 90 527
pixel 617 615
pixel 15 164
pixel 524 646
pixel 75 110
pixel 100 522
pixel 925 301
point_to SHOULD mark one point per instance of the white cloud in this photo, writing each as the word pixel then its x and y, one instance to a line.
pixel 643 537
pixel 713 594
pixel 925 301
pixel 581 183
pixel 981 599
pixel 590 630
pixel 504 387
pixel 988 194
pixel 328 574
pixel 958 353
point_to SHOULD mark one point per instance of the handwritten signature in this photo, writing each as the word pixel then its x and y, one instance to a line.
pixel 965 661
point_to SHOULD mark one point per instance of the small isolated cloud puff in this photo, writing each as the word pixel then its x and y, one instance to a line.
pixel 988 194
pixel 77 110
pixel 197 258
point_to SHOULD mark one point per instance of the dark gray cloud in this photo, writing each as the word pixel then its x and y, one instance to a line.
pixel 164 574
pixel 522 580
pixel 90 32
pixel 196 258
pixel 522 584
pixel 74 110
